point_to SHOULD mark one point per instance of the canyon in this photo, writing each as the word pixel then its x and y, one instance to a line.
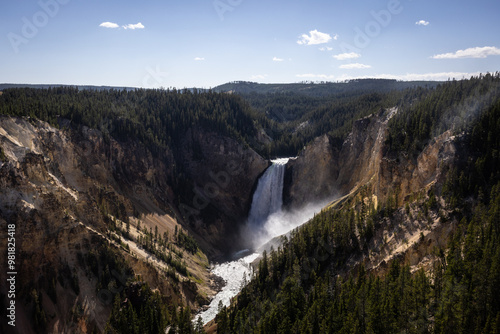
pixel 53 177
pixel 101 215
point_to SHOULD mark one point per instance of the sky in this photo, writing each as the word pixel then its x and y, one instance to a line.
pixel 205 43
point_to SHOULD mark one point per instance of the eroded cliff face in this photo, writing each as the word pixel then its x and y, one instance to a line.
pixel 323 171
pixel 363 171
pixel 407 176
pixel 361 153
pixel 64 189
pixel 224 174
pixel 311 176
pixel 61 189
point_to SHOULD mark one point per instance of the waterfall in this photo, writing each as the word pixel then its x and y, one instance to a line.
pixel 266 220
pixel 266 202
pixel 268 197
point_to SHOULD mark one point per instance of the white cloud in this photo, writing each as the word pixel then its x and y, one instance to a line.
pixel 422 23
pixel 277 59
pixel 109 25
pixel 477 52
pixel 115 25
pixel 344 56
pixel 315 37
pixel 314 76
pixel 199 58
pixel 357 66
pixel 258 77
pixel 134 26
pixel 326 49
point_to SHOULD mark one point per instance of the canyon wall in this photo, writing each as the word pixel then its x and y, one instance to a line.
pixel 64 188
pixel 325 171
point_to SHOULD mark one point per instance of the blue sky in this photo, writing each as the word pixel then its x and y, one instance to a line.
pixel 205 43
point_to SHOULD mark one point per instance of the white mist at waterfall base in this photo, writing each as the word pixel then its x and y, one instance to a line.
pixel 266 220
pixel 282 222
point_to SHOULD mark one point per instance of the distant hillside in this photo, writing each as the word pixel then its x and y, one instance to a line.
pixel 323 88
pixel 246 87
pixel 4 86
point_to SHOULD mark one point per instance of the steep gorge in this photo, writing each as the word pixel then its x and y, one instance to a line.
pixel 410 244
pixel 93 175
pixel 324 170
pixel 99 215
pixel 364 170
pixel 66 189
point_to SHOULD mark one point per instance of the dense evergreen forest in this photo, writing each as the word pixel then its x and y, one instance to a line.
pixel 297 289
pixel 323 89
pixel 294 120
pixel 451 106
pixel 157 118
pixel 290 116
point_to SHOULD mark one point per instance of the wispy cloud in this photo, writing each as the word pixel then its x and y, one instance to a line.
pixel 277 59
pixel 134 26
pixel 325 48
pixel 258 77
pixel 354 66
pixel 477 52
pixel 422 23
pixel 314 76
pixel 199 58
pixel 349 55
pixel 315 37
pixel 111 25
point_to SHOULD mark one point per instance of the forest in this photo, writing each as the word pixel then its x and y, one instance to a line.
pixel 158 118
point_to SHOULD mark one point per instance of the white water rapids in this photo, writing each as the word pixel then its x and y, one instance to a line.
pixel 233 274
pixel 266 220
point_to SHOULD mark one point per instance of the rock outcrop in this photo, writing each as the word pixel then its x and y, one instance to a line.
pixel 311 176
pixel 224 174
pixel 323 171
pixel 364 172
